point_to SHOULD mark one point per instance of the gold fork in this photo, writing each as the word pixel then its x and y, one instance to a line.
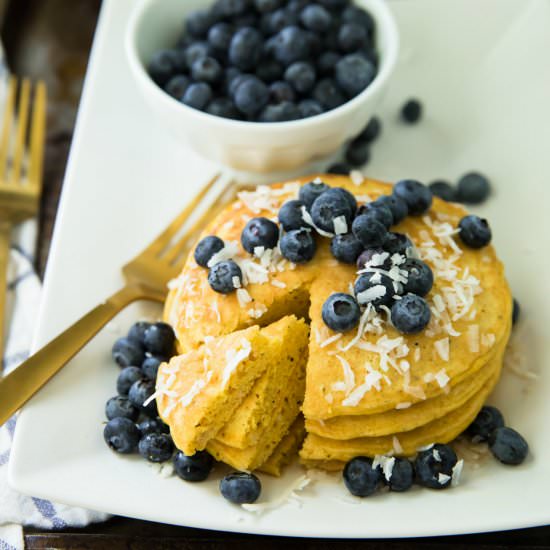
pixel 147 276
pixel 20 169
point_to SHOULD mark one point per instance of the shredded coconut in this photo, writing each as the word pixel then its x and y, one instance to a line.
pixel 397 445
pixel 473 338
pixel 278 284
pixel 403 405
pixel 243 297
pixel 289 495
pixel 457 471
pixel 356 177
pixel 330 340
pixel 228 252
pixel 233 357
pixel 340 225
pixel 442 348
pixel 442 378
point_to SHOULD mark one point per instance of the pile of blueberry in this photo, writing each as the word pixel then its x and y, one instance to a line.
pixel 270 60
pixel 433 467
pixel 133 422
pixel 364 238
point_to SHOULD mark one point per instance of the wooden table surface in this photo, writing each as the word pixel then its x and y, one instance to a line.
pixel 64 37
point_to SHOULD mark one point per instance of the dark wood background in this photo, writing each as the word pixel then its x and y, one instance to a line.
pixel 51 39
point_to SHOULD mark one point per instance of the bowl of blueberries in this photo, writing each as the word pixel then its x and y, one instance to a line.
pixel 262 86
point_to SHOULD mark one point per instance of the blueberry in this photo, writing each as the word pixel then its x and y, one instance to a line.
pixel 196 467
pixel 136 333
pixel 220 35
pixel 485 423
pixel 198 23
pixel 281 112
pixel 153 425
pixel 397 206
pixel 140 392
pixel 264 6
pixel 127 353
pixel 156 447
pixel 352 37
pixel 333 4
pixel 346 248
pixel 402 475
pixel 240 488
pixel 474 231
pixel 328 94
pixel 298 245
pixel 231 8
pixel 177 86
pixel 197 95
pixel 508 446
pixel 251 96
pixel 280 92
pixel 249 19
pixel 374 288
pixel 515 312
pixel 223 107
pixel 121 435
pixel 341 312
pixel 375 257
pixel 296 6
pixel 159 339
pixel 434 467
pixel 126 378
pixel 369 230
pixel 420 278
pixel 151 366
pixel 340 168
pixel 236 81
pixel 354 73
pixel 245 50
pixel 309 108
pixel 290 215
pixel 276 21
pixel 377 211
pixel 473 188
pixel 269 70
pixel 444 190
pixel 349 197
pixel 291 44
pixel 310 191
pixel 327 62
pixel 411 314
pixel 164 64
pixel 301 76
pixel 259 232
pixel 206 248
pixel 207 69
pixel 222 275
pixel 316 18
pixel 120 407
pixel 357 154
pixel 397 243
pixel 371 131
pixel 354 14
pixel 360 478
pixel 330 205
pixel 417 196
pixel 196 51
pixel 411 111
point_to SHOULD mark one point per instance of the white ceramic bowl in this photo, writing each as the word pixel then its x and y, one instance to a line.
pixel 252 146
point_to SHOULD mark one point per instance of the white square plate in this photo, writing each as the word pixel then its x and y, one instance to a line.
pixel 484 82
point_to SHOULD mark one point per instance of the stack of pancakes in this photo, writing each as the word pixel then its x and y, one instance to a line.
pixel 367 392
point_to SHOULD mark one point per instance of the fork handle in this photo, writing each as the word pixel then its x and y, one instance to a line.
pixel 20 385
pixel 5 232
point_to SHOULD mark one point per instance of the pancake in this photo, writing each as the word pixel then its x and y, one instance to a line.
pixel 442 430
pixel 364 386
pixel 402 420
pixel 286 450
pixel 278 392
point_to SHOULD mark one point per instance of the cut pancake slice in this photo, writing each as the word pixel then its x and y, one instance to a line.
pixel 319 450
pixel 406 419
pixel 286 450
pixel 254 456
pixel 279 391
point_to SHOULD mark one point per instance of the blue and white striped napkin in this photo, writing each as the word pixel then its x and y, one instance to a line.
pixel 23 299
